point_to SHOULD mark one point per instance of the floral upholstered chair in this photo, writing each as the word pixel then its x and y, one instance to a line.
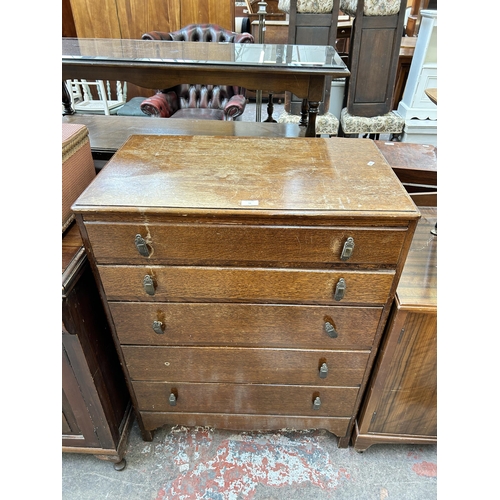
pixel 367 118
pixel 201 102
pixel 327 124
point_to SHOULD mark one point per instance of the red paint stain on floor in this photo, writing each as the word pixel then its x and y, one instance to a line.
pixel 237 466
pixel 427 469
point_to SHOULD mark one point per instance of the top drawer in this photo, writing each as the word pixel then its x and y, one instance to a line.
pixel 225 244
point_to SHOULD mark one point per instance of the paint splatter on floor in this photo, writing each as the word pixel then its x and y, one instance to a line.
pixel 235 467
pixel 422 468
pixel 427 469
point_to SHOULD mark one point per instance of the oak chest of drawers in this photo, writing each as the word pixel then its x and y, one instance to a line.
pixel 247 280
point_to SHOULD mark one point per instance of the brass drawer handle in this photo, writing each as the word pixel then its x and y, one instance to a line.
pixel 172 399
pixel 340 289
pixel 317 403
pixel 141 245
pixel 330 330
pixel 348 249
pixel 323 371
pixel 158 327
pixel 148 284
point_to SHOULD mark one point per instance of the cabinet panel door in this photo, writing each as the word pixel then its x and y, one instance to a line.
pixel 408 399
pixel 78 426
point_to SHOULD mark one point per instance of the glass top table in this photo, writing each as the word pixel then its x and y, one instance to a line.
pixel 274 68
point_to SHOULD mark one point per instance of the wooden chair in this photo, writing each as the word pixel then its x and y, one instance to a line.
pixel 96 97
pixel 373 55
pixel 311 25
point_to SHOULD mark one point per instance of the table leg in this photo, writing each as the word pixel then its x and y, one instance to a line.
pixel 270 110
pixel 304 109
pixel 313 113
pixel 66 100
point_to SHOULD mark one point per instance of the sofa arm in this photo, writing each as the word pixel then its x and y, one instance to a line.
pixel 234 107
pixel 162 105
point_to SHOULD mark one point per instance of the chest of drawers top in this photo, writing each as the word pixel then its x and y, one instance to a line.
pixel 271 178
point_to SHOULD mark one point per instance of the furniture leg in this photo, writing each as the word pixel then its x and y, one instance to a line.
pixel 270 110
pixel 66 100
pixel 303 113
pixel 146 435
pixel 313 113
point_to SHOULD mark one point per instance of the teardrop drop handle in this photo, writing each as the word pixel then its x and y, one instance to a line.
pixel 172 399
pixel 323 371
pixel 158 327
pixel 330 330
pixel 340 289
pixel 348 249
pixel 316 403
pixel 141 245
pixel 148 284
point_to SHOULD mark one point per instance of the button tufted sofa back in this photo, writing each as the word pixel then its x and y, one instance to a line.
pixel 200 33
pixel 209 102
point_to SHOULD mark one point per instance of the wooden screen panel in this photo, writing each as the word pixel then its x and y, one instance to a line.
pixel 137 17
pixel 95 19
pixel 132 18
pixel 207 11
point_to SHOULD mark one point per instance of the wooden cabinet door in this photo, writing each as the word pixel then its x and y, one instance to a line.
pixel 77 422
pixel 407 395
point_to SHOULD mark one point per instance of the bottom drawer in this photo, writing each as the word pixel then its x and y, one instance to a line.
pixel 246 399
pixel 336 425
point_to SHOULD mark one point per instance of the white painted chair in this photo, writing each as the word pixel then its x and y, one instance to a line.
pixel 100 102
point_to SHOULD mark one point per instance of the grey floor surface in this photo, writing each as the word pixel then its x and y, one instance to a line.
pixel 201 463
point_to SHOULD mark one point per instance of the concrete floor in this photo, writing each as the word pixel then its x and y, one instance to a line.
pixel 203 463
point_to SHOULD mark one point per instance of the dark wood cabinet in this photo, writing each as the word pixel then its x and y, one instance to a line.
pixel 96 409
pixel 251 296
pixel 401 400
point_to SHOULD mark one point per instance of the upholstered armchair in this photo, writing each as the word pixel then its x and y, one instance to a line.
pixel 202 102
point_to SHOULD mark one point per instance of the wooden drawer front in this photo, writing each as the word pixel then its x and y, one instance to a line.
pixel 245 365
pixel 248 399
pixel 188 284
pixel 246 325
pixel 205 244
